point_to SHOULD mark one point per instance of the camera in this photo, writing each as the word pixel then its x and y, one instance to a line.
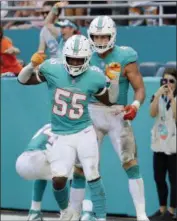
pixel 163 82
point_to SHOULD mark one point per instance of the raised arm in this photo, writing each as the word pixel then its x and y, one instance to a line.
pixel 30 74
pixel 52 16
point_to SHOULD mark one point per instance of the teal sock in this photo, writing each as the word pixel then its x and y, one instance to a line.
pixel 62 197
pixel 98 198
pixel 38 190
pixel 78 181
pixel 133 172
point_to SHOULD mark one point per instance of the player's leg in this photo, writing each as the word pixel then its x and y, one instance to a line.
pixel 89 157
pixel 39 187
pixel 33 165
pixel 124 144
pixel 61 157
pixel 77 192
pixel 87 203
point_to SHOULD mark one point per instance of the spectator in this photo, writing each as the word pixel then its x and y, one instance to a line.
pixel 141 8
pixel 120 11
pixel 136 11
pixel 55 32
pixel 42 13
pixel 8 61
pixel 20 13
pixel 77 11
pixel 163 107
pixel 169 10
pixel 3 13
pixel 151 10
pixel 100 11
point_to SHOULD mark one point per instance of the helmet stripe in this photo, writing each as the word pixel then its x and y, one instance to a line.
pixel 76 44
pixel 100 22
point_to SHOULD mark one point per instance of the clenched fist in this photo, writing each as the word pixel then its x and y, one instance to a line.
pixel 38 58
pixel 113 70
pixel 130 112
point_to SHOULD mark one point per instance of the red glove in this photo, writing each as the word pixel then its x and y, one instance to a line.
pixel 131 111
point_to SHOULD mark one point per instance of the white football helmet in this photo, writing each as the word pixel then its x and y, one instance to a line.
pixel 102 25
pixel 75 47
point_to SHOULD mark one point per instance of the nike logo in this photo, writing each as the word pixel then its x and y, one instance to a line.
pixel 86 131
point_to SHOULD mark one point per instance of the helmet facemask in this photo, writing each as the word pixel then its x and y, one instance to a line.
pixel 107 28
pixel 101 48
pixel 77 67
pixel 76 55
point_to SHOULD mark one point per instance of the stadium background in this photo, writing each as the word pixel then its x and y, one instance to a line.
pixel 25 109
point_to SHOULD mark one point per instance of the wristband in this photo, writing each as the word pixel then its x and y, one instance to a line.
pixel 137 104
pixel 55 10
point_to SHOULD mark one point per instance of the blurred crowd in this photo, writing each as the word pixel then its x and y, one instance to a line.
pixel 11 65
pixel 138 8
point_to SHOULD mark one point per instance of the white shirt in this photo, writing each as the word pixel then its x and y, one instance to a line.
pixel 163 133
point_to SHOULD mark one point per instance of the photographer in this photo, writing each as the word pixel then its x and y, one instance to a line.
pixel 163 107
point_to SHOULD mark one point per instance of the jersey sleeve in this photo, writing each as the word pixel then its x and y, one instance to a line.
pixel 130 55
pixel 100 81
pixel 45 70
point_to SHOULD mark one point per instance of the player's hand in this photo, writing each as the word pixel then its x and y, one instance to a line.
pixel 130 112
pixel 61 4
pixel 162 90
pixel 113 70
pixel 38 58
pixel 10 51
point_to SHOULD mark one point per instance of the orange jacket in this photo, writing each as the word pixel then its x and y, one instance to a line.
pixel 8 62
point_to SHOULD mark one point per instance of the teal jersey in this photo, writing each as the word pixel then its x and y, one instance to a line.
pixel 123 56
pixel 70 96
pixel 41 139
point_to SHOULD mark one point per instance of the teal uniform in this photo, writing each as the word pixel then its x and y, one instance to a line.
pixel 70 96
pixel 41 139
pixel 123 56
